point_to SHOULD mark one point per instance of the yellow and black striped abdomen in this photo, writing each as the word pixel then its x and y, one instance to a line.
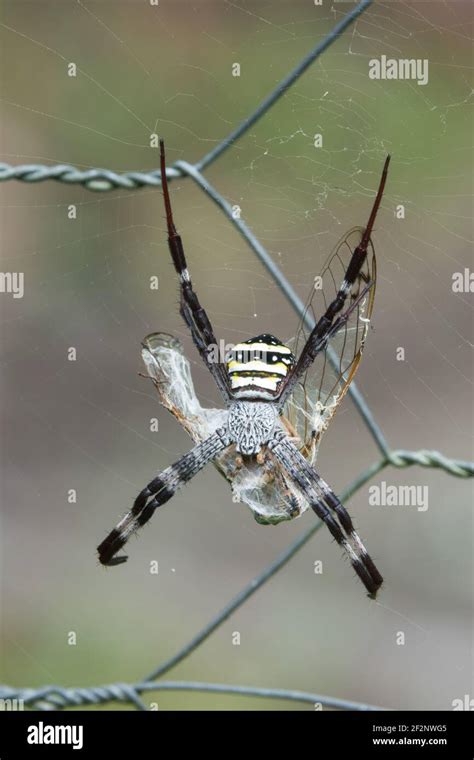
pixel 258 366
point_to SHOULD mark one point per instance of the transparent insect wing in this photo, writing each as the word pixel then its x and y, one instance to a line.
pixel 322 388
pixel 170 371
pixel 270 495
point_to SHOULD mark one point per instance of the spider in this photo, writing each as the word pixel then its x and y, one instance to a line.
pixel 253 441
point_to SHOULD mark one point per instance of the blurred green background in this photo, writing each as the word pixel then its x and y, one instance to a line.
pixel 85 424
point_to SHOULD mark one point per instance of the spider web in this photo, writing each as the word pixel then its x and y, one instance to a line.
pixel 86 425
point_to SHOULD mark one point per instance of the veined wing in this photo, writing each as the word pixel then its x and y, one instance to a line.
pixel 322 388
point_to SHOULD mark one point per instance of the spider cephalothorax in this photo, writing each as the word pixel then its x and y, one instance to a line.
pixel 251 425
pixel 259 380
pixel 258 366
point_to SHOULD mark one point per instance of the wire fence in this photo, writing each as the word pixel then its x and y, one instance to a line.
pixel 101 180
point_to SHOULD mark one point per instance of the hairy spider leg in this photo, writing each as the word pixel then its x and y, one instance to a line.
pixel 190 309
pixel 327 324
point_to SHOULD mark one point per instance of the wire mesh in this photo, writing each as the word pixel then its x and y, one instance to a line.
pixel 103 180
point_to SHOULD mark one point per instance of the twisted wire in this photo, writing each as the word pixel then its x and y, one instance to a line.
pixel 57 697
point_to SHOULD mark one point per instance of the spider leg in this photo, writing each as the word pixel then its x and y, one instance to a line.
pixel 332 501
pixel 330 322
pixel 320 497
pixel 190 309
pixel 158 492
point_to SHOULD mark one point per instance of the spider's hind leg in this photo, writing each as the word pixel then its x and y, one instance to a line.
pixel 323 501
pixel 346 521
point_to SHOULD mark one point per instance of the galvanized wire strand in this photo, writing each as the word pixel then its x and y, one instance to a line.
pixel 92 179
pixel 57 697
pixel 434 459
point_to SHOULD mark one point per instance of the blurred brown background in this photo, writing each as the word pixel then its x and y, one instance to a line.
pixel 84 425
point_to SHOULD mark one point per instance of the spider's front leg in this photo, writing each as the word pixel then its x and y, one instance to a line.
pixel 158 492
pixel 332 319
pixel 190 309
pixel 324 503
